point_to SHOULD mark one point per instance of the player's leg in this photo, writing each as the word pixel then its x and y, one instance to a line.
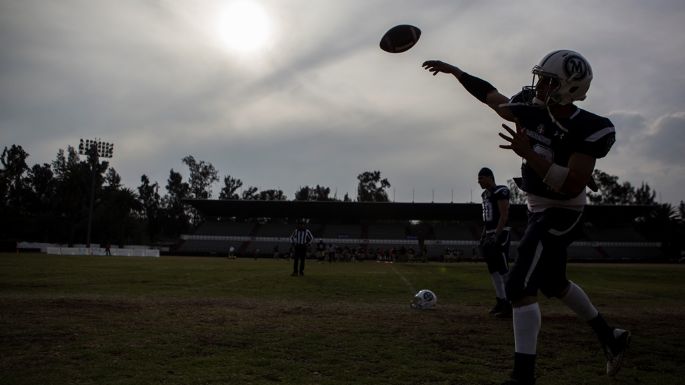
pixel 521 289
pixel 561 234
pixel 502 272
pixel 491 252
pixel 296 257
pixel 614 341
pixel 303 257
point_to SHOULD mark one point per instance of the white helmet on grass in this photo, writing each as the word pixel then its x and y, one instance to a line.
pixel 424 299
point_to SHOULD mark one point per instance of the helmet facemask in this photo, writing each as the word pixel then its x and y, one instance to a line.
pixel 546 88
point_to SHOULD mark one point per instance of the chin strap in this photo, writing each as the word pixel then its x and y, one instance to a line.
pixel 551 116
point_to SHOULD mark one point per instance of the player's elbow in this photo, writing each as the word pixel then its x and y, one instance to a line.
pixel 575 184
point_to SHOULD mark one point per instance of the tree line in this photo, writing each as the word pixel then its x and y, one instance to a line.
pixel 51 202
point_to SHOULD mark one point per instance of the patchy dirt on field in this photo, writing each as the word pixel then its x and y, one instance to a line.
pixel 41 337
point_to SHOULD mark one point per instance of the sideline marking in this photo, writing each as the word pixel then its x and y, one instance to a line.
pixel 405 280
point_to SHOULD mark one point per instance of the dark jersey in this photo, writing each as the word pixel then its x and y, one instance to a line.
pixel 491 212
pixel 583 132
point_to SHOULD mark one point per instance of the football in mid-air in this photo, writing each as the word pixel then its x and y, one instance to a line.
pixel 400 38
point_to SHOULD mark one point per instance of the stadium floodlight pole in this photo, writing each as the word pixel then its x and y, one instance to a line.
pixel 99 149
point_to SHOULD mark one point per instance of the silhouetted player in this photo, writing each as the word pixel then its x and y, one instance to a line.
pixel 559 144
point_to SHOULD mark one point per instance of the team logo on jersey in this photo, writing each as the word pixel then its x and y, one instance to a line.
pixel 575 67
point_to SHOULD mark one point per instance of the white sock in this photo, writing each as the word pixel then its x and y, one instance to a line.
pixel 498 283
pixel 527 321
pixel 579 302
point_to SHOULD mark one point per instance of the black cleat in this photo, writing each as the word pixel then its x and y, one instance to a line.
pixel 502 309
pixel 495 309
pixel 506 310
pixel 616 351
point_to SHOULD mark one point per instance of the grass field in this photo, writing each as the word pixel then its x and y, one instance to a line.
pixel 173 320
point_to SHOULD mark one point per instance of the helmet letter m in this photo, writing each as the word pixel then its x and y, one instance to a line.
pixel 575 67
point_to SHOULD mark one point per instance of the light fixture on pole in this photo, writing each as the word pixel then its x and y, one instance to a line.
pixel 99 149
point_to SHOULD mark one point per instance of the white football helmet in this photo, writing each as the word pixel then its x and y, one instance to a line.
pixel 572 72
pixel 424 299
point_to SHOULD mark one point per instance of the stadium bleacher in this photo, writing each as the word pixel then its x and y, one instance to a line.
pixel 443 240
pixel 387 231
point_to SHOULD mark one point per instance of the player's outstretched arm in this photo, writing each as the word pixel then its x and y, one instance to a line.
pixel 479 88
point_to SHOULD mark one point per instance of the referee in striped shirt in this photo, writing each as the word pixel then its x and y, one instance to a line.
pixel 300 239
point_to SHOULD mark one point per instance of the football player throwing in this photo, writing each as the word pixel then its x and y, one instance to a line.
pixel 559 144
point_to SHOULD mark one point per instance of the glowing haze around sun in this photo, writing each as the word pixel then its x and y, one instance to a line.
pixel 244 27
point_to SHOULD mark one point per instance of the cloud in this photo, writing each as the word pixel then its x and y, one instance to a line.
pixel 664 141
pixel 649 151
pixel 323 103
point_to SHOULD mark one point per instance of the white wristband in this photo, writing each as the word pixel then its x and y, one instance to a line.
pixel 555 177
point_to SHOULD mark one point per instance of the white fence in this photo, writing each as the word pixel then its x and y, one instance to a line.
pixel 102 251
pixel 81 249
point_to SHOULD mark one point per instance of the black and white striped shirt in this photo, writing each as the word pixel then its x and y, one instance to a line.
pixel 301 237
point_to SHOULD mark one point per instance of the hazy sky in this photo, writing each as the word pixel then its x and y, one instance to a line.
pixel 304 96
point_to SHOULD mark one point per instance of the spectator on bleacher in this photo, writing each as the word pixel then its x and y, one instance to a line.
pixel 301 238
pixel 494 241
pixel 331 253
pixel 321 250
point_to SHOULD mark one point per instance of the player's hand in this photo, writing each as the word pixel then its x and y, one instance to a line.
pixel 437 66
pixel 518 141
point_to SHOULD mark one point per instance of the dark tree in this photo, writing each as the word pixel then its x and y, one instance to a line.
pixel 371 187
pixel 116 217
pixel 177 219
pixel 271 195
pixel 611 192
pixel 318 193
pixel 112 179
pixel 14 183
pixel 202 175
pixel 250 193
pixel 148 195
pixel 231 186
pixel 42 186
pixel 644 195
pixel 661 224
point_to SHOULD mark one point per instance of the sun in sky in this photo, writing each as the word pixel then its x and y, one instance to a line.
pixel 244 26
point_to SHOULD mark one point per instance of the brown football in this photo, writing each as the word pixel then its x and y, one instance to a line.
pixel 400 38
